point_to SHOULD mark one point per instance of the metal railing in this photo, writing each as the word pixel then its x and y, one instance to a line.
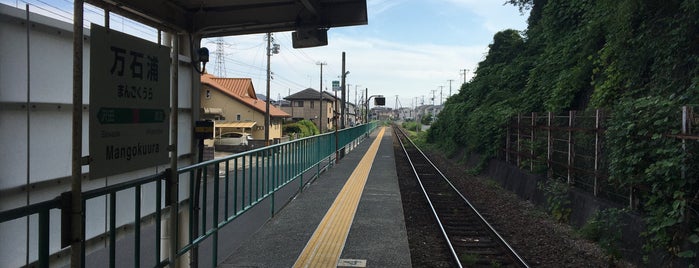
pixel 244 179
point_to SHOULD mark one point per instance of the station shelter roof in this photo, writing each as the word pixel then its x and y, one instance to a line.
pixel 213 18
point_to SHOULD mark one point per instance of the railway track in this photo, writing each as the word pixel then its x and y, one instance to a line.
pixel 473 242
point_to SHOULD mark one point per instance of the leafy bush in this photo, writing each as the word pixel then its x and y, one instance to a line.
pixel 557 199
pixel 311 128
pixel 641 154
pixel 426 119
pixel 303 128
pixel 291 128
pixel 605 228
pixel 638 59
pixel 411 125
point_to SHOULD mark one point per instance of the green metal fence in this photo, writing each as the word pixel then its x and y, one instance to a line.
pixel 244 179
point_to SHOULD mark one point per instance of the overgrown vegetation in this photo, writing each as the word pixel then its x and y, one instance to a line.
pixel 605 228
pixel 300 129
pixel 637 59
pixel 427 119
pixel 557 199
pixel 411 125
pixel 664 174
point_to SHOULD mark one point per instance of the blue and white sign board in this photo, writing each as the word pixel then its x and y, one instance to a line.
pixel 129 102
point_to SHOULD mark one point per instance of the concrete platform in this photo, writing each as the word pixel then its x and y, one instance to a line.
pixel 377 236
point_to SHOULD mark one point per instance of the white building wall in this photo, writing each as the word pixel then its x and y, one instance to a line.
pixel 36 166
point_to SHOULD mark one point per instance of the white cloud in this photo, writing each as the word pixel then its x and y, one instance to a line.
pixel 388 68
pixel 376 7
pixel 384 67
pixel 496 16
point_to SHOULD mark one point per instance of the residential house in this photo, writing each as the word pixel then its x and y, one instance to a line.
pixel 381 113
pixel 425 110
pixel 234 107
pixel 404 113
pixel 351 115
pixel 306 104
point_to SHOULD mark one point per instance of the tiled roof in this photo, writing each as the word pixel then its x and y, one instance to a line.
pixel 242 90
pixel 309 94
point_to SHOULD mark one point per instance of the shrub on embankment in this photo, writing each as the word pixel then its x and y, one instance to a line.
pixel 636 59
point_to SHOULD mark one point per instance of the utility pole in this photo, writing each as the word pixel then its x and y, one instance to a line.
pixel 366 101
pixel 412 107
pixel 320 109
pixel 463 72
pixel 450 80
pixel 360 107
pixel 441 101
pixel 343 97
pixel 433 91
pixel 270 50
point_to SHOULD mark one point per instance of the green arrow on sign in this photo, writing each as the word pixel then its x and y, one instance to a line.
pixel 107 116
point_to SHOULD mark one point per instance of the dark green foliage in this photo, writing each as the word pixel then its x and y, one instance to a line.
pixel 427 119
pixel 642 155
pixel 638 59
pixel 292 128
pixel 605 228
pixel 303 128
pixel 411 126
pixel 557 199
pixel 312 129
pixel 474 117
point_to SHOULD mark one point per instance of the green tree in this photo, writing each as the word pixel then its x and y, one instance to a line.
pixel 638 59
pixel 426 119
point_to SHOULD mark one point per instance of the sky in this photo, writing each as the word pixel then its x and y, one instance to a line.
pixel 410 49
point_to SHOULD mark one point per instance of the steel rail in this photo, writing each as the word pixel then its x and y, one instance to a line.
pixel 510 250
pixel 429 201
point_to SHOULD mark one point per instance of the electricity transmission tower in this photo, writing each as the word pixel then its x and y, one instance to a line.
pixel 220 68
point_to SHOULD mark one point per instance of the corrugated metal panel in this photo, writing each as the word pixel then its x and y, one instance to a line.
pixel 236 124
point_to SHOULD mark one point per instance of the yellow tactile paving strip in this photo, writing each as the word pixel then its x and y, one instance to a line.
pixel 328 240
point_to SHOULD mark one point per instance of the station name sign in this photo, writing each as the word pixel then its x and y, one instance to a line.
pixel 129 102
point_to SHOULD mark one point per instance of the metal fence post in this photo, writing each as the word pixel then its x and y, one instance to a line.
pixel 214 222
pixel 77 258
pixel 137 227
pixel 685 131
pixel 531 146
pixel 508 148
pixel 571 120
pixel 44 223
pixel 519 139
pixel 549 150
pixel 595 187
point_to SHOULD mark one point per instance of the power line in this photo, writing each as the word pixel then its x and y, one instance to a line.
pixel 295 51
pixel 258 68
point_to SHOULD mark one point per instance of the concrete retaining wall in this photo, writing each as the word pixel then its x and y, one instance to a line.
pixel 583 205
